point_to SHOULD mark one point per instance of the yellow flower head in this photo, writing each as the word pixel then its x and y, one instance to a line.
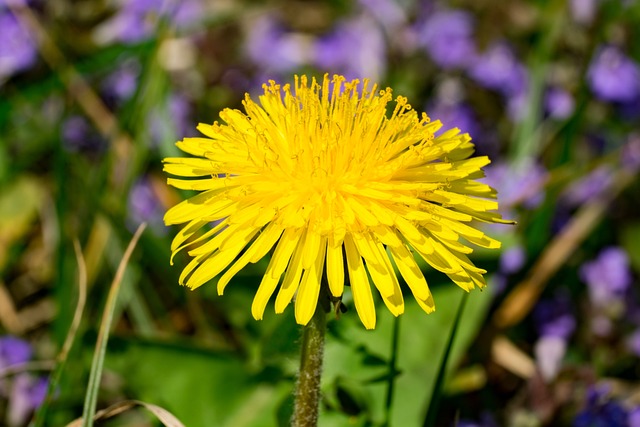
pixel 323 173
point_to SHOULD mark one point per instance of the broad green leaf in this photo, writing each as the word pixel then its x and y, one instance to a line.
pixel 423 339
pixel 200 388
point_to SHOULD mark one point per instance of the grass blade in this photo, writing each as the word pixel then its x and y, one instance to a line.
pixel 393 370
pixel 54 378
pixel 430 419
pixel 164 416
pixel 91 397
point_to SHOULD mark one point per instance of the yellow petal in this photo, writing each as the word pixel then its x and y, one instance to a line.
pixel 360 287
pixel 291 279
pixel 258 249
pixel 411 272
pixel 335 268
pixel 307 297
pixel 186 166
pixel 271 277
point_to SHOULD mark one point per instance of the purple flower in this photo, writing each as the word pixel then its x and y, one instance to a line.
pixel 27 394
pixel 144 206
pixel 517 104
pixel 170 120
pixel 497 68
pixel 589 187
pixel 354 48
pixel 275 49
pixel 17 50
pixel 79 136
pixel 612 76
pixel 386 12
pixel 600 410
pixel 608 276
pixel 583 11
pixel 512 260
pixel 486 420
pixel 553 317
pixel 517 185
pixel 559 103
pixel 14 351
pixel 123 82
pixel 634 417
pixel 448 38
pixel 455 115
pixel 138 19
pixel 549 352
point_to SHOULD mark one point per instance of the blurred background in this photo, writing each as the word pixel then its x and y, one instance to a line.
pixel 94 93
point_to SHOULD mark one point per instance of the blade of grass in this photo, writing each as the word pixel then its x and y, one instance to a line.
pixel 130 298
pixel 166 417
pixel 527 140
pixel 392 370
pixel 91 398
pixel 54 378
pixel 432 411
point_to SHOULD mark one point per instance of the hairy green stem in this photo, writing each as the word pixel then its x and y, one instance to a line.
pixel 307 394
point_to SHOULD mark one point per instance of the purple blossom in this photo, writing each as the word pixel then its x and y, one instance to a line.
pixel 600 410
pixel 612 76
pixel 517 104
pixel 138 19
pixel 79 136
pixel 387 12
pixel 24 392
pixel 559 103
pixel 144 206
pixel 589 187
pixel 455 115
pixel 17 50
pixel 583 11
pixel 123 82
pixel 274 48
pixel 522 184
pixel 512 259
pixel 608 276
pixel 497 68
pixel 554 318
pixel 354 48
pixel 634 417
pixel 14 351
pixel 448 38
pixel 27 394
pixel 549 352
pixel 486 420
pixel 170 120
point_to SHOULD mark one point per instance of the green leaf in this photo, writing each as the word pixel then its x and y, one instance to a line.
pixel 199 387
pixel 422 342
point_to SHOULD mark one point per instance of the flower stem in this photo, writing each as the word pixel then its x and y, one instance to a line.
pixel 307 395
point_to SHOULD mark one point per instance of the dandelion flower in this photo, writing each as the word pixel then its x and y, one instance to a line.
pixel 334 182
